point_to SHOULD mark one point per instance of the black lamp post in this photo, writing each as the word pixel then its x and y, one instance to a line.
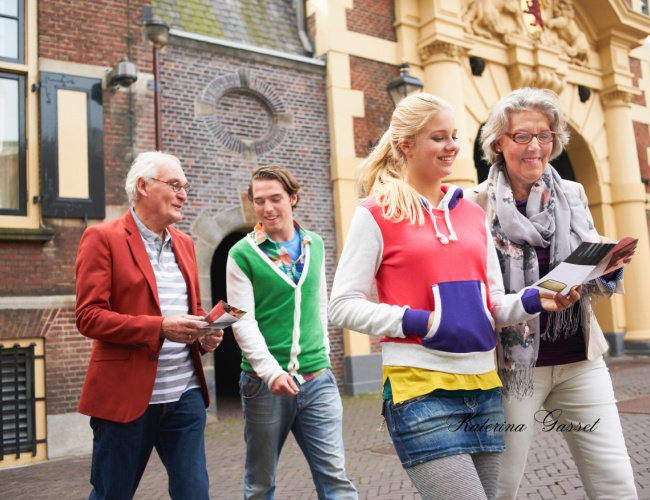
pixel 157 32
pixel 404 85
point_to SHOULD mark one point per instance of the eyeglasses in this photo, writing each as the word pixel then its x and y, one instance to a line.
pixel 175 185
pixel 525 137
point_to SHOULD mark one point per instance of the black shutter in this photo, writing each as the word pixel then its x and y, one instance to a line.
pixel 54 205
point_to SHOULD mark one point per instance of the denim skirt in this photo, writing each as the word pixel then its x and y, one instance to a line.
pixel 445 423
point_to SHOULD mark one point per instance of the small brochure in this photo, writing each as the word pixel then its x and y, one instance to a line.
pixel 223 315
pixel 587 262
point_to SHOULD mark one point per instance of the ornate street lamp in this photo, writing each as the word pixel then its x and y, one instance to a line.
pixel 404 85
pixel 157 32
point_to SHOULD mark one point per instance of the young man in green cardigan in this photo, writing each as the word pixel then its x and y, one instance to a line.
pixel 277 274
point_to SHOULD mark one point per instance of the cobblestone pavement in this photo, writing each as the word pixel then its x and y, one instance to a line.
pixel 371 461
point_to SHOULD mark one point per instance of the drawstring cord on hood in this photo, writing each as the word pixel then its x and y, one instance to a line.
pixel 452 233
pixel 445 207
pixel 441 237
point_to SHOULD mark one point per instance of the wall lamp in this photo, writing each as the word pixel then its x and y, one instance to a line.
pixel 157 32
pixel 404 85
pixel 123 74
pixel 584 93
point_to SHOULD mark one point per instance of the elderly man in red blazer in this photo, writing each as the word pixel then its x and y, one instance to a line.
pixel 138 297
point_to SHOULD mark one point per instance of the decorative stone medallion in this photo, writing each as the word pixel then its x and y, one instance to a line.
pixel 244 113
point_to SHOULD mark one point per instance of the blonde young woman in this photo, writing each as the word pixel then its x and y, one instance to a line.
pixel 440 296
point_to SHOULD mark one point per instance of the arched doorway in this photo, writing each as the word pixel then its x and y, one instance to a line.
pixel 227 357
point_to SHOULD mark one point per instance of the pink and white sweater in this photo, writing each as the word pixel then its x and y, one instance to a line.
pixel 419 269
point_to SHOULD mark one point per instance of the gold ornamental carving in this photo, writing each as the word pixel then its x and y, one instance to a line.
pixel 549 23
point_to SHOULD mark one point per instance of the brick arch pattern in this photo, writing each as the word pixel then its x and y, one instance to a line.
pixel 246 82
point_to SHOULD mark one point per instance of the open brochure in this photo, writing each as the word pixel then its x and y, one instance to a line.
pixel 223 315
pixel 587 262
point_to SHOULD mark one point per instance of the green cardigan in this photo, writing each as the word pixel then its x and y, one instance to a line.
pixel 287 314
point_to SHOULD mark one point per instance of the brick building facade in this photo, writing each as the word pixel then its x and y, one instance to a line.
pixel 37 252
pixel 232 100
pixel 243 84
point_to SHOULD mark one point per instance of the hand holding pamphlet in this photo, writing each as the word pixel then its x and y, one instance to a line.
pixel 587 262
pixel 223 315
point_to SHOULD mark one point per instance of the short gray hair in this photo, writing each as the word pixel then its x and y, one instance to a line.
pixel 523 99
pixel 146 166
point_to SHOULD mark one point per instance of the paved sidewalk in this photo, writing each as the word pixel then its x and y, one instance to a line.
pixel 371 460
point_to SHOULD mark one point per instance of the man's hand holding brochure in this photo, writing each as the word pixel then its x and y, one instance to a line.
pixel 222 315
pixel 587 262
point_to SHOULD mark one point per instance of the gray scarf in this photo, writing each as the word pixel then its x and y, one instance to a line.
pixel 555 219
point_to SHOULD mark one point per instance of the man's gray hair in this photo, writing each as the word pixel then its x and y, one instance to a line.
pixel 146 166
pixel 523 99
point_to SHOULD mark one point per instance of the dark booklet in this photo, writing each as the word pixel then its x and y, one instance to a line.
pixel 587 262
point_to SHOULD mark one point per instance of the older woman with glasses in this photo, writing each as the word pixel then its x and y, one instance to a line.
pixel 553 361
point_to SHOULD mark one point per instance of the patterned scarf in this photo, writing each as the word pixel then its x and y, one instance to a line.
pixel 279 255
pixel 555 219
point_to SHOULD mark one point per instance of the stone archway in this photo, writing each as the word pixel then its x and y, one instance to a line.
pixel 210 231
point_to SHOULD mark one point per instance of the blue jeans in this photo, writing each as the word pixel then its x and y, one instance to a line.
pixel 315 418
pixel 121 451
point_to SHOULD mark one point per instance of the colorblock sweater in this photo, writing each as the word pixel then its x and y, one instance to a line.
pixel 448 265
pixel 285 328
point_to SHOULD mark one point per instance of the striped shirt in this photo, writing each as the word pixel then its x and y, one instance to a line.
pixel 175 372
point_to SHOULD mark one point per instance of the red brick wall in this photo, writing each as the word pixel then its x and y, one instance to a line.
pixel 373 17
pixel 66 360
pixel 93 33
pixel 642 136
pixel 66 351
pixel 90 32
pixel 35 268
pixel 371 77
pixel 635 68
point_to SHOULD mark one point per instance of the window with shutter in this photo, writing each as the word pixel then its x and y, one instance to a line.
pixel 20 214
pixel 72 146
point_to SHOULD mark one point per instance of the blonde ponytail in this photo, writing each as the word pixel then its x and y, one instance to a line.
pixel 382 172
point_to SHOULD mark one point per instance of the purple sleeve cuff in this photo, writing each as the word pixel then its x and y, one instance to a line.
pixel 615 275
pixel 610 279
pixel 531 302
pixel 415 322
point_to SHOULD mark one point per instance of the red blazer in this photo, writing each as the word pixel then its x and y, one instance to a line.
pixel 117 305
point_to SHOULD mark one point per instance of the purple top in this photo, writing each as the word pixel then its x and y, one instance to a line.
pixel 567 348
